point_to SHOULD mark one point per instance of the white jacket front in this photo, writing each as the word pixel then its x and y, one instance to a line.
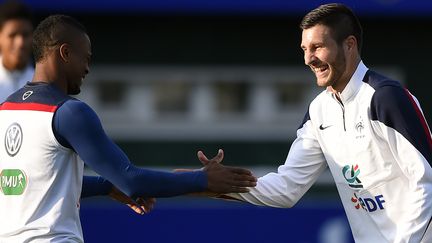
pixel 378 148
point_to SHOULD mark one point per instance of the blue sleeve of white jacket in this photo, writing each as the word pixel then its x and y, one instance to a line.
pixel 398 119
pixel 398 109
pixel 77 126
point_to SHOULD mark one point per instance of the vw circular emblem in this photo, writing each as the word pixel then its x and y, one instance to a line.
pixel 13 139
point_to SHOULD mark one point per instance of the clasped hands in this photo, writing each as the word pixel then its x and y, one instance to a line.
pixel 221 180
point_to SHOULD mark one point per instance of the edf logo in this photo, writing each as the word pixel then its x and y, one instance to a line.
pixel 369 204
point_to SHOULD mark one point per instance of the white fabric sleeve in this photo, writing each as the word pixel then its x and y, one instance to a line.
pixel 408 146
pixel 415 167
pixel 304 163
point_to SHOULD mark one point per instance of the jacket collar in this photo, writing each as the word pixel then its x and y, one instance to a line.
pixel 354 84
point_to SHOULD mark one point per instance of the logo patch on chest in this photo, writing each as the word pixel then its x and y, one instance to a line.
pixel 13 182
pixel 351 173
pixel 13 139
pixel 359 128
pixel 27 94
pixel 369 204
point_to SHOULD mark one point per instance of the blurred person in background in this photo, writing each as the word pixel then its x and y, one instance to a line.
pixel 16 29
pixel 368 129
pixel 47 133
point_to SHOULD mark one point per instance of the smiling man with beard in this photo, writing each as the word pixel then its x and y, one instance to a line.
pixel 366 128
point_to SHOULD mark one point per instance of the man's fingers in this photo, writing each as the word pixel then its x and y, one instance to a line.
pixel 239 171
pixel 139 205
pixel 135 207
pixel 201 156
pixel 219 157
pixel 241 177
pixel 146 204
pixel 243 184
pixel 244 181
pixel 226 179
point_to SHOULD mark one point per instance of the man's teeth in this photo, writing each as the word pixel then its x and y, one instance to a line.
pixel 320 69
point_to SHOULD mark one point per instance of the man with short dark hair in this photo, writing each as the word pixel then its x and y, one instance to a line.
pixel 369 131
pixel 16 69
pixel 16 30
pixel 47 133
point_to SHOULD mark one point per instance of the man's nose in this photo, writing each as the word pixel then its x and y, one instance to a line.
pixel 19 41
pixel 309 57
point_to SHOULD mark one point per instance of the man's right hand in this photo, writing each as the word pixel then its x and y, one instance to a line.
pixel 224 179
pixel 204 160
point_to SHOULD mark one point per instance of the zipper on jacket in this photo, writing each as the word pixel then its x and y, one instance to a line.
pixel 336 96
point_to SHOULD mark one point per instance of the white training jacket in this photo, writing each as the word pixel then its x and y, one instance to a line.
pixel 378 148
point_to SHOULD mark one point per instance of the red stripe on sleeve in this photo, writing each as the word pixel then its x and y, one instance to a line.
pixel 28 106
pixel 421 118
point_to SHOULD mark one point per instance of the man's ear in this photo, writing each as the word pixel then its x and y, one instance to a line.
pixel 65 52
pixel 351 43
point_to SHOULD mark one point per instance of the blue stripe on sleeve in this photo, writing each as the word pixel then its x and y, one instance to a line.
pixel 305 119
pixel 392 106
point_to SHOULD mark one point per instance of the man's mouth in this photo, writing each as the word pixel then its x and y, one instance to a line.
pixel 320 70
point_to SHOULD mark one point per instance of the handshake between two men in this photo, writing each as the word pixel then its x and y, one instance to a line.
pixel 221 180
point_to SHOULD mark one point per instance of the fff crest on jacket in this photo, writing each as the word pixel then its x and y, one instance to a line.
pixel 359 128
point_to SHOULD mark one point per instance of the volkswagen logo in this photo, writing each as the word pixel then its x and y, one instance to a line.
pixel 13 139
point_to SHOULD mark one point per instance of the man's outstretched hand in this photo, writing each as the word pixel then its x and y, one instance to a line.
pixel 204 160
pixel 139 206
pixel 226 179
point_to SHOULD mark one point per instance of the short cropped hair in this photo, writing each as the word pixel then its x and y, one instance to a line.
pixel 339 18
pixel 10 10
pixel 52 31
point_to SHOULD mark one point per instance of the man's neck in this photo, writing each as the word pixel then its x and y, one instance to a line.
pixel 46 73
pixel 343 82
